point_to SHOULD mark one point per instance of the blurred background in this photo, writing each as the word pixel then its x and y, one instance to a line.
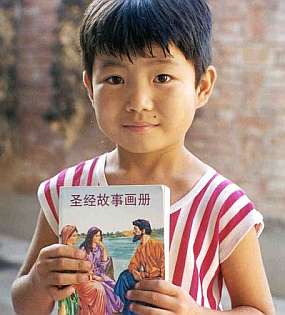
pixel 46 122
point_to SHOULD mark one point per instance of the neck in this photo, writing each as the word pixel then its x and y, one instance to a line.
pixel 148 166
pixel 145 239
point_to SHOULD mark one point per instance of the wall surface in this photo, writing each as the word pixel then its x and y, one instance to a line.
pixel 240 132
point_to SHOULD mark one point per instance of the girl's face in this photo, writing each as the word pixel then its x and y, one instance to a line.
pixel 73 238
pixel 96 239
pixel 145 105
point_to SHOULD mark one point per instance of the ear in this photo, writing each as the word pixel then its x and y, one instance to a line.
pixel 88 85
pixel 205 86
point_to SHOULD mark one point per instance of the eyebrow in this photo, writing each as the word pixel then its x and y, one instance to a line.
pixel 105 63
pixel 111 63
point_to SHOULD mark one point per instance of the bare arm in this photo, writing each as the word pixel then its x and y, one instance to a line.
pixel 244 276
pixel 26 298
pixel 41 276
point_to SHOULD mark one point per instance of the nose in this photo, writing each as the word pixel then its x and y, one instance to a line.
pixel 139 98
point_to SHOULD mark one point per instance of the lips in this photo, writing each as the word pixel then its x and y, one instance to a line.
pixel 139 126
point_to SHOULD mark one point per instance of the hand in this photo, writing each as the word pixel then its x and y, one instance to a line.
pixel 98 278
pixel 165 299
pixel 137 275
pixel 144 275
pixel 57 268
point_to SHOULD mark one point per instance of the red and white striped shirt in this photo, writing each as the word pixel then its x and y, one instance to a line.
pixel 206 225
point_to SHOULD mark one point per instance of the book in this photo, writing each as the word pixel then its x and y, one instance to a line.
pixel 124 230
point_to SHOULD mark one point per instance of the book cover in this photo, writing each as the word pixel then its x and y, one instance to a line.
pixel 125 233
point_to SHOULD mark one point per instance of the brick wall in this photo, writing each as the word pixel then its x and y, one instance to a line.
pixel 240 132
pixel 34 45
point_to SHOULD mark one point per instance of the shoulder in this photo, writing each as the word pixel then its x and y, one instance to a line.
pixel 75 175
pixel 155 243
pixel 79 174
pixel 215 205
pixel 82 173
pixel 227 200
pixel 228 195
pixel 217 190
pixel 235 214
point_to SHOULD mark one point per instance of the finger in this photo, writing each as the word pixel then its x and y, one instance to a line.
pixel 154 298
pixel 68 264
pixel 148 310
pixel 157 285
pixel 60 278
pixel 60 250
pixel 60 293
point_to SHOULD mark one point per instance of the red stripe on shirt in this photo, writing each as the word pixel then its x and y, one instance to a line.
pixel 209 257
pixel 194 284
pixel 78 173
pixel 173 221
pixel 91 171
pixel 182 253
pixel 206 217
pixel 49 200
pixel 210 294
pixel 60 180
pixel 202 232
pixel 230 201
pixel 215 240
pixel 236 220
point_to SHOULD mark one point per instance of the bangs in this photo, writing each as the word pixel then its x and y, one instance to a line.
pixel 132 27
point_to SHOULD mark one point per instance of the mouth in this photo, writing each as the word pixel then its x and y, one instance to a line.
pixel 139 127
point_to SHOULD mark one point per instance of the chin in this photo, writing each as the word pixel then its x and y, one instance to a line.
pixel 140 148
pixel 136 145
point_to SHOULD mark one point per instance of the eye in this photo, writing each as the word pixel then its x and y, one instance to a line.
pixel 162 78
pixel 115 80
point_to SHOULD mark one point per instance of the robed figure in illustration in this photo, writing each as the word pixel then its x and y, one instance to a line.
pixel 70 305
pixel 147 262
pixel 97 296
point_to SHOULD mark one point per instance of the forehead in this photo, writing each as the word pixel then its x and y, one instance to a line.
pixel 155 56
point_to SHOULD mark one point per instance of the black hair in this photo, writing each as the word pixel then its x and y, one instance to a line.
pixel 131 27
pixel 143 225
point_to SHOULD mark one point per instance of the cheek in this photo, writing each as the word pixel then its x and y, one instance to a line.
pixel 178 106
pixel 106 100
pixel 105 110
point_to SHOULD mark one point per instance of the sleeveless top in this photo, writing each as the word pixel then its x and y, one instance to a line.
pixel 206 225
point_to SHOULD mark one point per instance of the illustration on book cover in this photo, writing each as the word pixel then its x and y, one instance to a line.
pixel 123 231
